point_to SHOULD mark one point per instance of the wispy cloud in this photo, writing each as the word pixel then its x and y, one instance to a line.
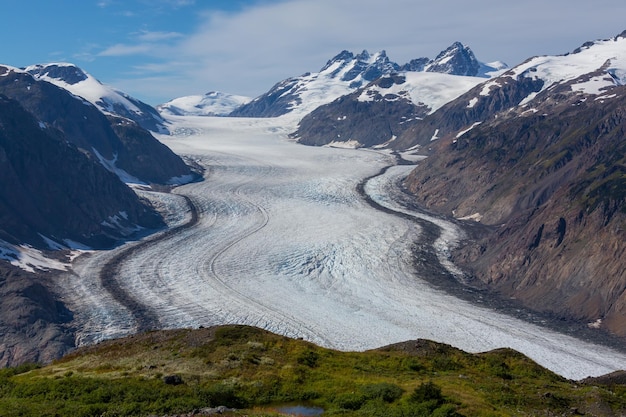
pixel 151 43
pixel 147 36
pixel 126 50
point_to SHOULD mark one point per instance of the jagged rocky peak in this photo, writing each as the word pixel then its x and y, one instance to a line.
pixel 369 66
pixel 343 56
pixel 69 73
pixel 415 65
pixel 347 72
pixel 457 59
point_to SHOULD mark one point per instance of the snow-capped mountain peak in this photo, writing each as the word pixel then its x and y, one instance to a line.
pixel 347 72
pixel 360 68
pixel 458 59
pixel 213 103
pixel 109 100
pixel 69 73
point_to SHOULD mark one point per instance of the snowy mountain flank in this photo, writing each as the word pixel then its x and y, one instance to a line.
pixel 213 103
pixel 109 100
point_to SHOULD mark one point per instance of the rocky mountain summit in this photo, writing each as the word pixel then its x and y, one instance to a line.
pixel 380 111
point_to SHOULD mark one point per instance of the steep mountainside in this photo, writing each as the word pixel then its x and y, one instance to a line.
pixel 539 154
pixel 346 73
pixel 119 143
pixel 52 192
pixel 35 325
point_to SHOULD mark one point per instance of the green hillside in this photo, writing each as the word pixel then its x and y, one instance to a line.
pixel 254 372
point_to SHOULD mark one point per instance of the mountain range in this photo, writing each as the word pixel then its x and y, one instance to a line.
pixel 347 72
pixel 534 155
pixel 537 154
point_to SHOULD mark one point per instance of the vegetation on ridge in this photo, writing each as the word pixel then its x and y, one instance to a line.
pixel 169 372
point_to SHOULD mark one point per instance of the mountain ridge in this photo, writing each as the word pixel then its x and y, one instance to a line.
pixel 109 100
pixel 347 72
pixel 118 142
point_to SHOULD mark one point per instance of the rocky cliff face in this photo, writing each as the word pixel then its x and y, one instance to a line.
pixel 550 179
pixel 51 188
pixel 35 325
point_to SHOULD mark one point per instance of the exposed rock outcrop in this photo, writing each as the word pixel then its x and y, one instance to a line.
pixel 35 326
pixel 50 188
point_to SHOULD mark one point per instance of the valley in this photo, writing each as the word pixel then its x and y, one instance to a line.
pixel 277 236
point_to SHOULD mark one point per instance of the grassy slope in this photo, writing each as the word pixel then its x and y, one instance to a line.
pixel 247 368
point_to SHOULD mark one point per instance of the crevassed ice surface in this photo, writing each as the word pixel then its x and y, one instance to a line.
pixel 285 242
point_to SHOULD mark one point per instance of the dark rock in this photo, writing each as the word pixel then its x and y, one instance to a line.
pixel 35 326
pixel 173 380
pixel 50 188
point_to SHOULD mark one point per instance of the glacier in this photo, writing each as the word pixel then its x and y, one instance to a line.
pixel 278 236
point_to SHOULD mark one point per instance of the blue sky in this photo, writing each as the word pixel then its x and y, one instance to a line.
pixel 157 50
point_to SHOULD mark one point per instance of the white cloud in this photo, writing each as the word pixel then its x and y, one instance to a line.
pixel 246 52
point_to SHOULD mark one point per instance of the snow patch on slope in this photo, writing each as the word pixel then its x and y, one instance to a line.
pixel 110 164
pixel 28 258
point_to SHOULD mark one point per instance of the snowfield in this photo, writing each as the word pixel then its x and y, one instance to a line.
pixel 284 241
